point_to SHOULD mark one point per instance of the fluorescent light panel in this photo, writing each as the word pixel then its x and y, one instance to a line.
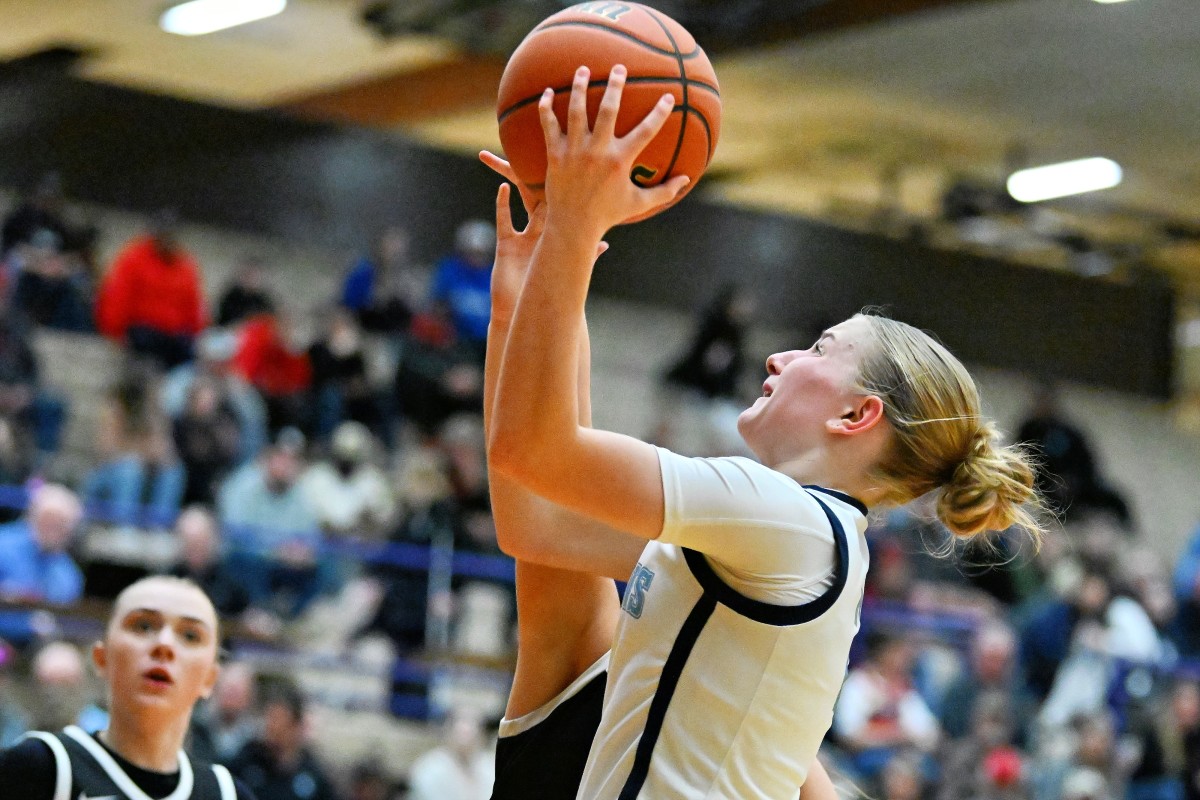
pixel 205 16
pixel 1062 180
pixel 1108 2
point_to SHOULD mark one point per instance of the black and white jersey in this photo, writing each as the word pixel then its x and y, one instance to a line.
pixel 734 637
pixel 542 753
pixel 73 765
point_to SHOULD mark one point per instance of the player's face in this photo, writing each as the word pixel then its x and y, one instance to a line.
pixel 160 650
pixel 804 390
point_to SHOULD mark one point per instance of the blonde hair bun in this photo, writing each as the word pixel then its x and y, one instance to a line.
pixel 989 489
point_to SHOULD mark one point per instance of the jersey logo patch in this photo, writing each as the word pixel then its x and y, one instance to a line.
pixel 635 591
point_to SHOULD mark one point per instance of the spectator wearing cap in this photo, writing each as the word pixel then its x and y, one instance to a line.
pixel 247 295
pixel 34 563
pixel 215 349
pixel 274 527
pixel 351 495
pixel 50 287
pixel 151 299
pixel 462 282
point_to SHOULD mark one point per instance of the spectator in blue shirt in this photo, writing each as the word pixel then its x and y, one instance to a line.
pixel 34 564
pixel 463 280
pixel 365 276
pixel 274 529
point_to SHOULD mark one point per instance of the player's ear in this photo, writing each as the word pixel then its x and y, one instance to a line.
pixel 100 657
pixel 862 414
pixel 210 680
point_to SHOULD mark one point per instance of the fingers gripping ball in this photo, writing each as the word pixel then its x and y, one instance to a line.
pixel 661 57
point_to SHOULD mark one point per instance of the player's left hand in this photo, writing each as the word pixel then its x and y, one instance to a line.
pixel 530 198
pixel 514 248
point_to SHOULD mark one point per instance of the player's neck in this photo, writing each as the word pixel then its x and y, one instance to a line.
pixel 820 467
pixel 149 744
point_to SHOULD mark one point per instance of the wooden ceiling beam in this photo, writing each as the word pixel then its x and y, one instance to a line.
pixel 409 96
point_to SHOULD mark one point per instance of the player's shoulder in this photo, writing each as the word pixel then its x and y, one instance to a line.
pixel 30 764
pixel 32 745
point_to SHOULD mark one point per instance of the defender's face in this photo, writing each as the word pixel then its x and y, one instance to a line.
pixel 160 650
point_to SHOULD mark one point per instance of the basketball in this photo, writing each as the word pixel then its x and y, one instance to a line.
pixel 660 56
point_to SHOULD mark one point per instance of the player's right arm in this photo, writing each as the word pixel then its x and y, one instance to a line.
pixel 566 603
pixel 528 527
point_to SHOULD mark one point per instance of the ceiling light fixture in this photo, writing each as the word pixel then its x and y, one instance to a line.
pixel 1108 2
pixel 205 16
pixel 1061 180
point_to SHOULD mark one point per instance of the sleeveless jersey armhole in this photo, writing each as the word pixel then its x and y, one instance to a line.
pixel 225 782
pixel 62 764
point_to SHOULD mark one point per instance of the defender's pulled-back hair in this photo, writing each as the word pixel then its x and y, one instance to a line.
pixel 170 580
pixel 940 439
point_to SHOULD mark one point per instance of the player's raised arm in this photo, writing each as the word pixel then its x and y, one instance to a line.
pixel 535 434
pixel 528 527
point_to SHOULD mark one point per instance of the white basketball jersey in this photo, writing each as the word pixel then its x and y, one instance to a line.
pixel 713 691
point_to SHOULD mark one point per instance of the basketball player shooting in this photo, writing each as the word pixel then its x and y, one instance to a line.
pixel 739 613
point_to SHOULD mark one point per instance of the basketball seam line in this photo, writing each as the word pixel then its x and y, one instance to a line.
pixel 683 80
pixel 604 82
pixel 618 32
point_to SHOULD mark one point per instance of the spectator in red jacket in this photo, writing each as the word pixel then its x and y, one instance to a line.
pixel 151 299
pixel 272 358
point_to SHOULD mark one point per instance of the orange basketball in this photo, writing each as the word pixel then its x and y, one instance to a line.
pixel 660 56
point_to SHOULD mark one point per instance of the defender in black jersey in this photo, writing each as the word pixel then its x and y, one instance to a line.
pixel 157 658
pixel 548 748
pixel 566 611
pixel 74 765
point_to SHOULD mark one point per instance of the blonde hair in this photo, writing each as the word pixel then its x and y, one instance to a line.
pixel 941 441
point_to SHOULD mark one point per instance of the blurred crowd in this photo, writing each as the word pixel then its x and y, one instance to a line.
pixel 296 459
pixel 277 448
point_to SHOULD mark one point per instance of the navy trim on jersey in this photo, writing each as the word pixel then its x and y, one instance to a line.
pixel 714 591
pixel 769 613
pixel 845 498
pixel 667 681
